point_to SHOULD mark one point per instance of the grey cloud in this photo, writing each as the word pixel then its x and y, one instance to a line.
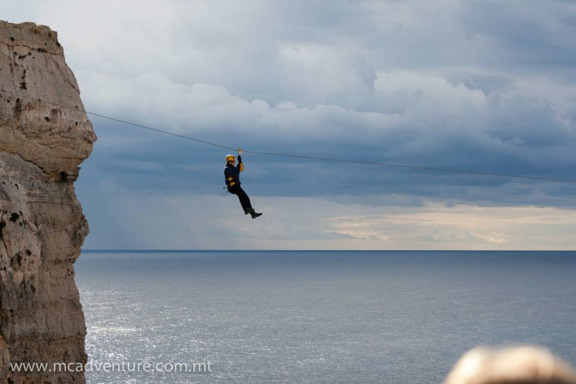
pixel 526 34
pixel 510 133
pixel 479 85
pixel 485 83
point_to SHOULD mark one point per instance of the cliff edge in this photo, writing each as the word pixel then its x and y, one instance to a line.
pixel 44 136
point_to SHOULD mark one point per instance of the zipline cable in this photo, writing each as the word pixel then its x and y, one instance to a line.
pixel 415 167
pixel 304 157
pixel 159 130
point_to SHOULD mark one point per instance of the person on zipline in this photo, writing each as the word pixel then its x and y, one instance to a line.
pixel 232 176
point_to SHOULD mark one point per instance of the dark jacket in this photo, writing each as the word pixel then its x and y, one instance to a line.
pixel 232 173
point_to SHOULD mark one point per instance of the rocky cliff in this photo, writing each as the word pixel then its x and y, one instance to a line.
pixel 44 136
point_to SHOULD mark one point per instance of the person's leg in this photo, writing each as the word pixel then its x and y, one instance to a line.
pixel 244 201
pixel 243 197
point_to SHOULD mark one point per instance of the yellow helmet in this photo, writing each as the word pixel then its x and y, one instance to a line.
pixel 230 158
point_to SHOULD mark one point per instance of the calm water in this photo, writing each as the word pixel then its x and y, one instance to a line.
pixel 320 317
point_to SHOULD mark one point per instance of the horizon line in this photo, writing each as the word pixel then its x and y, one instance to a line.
pixel 313 250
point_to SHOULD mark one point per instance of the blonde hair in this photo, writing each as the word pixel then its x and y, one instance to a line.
pixel 518 365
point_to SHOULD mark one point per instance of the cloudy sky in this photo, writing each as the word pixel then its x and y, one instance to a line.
pixel 480 85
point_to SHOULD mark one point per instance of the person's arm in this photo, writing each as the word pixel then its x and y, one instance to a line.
pixel 240 164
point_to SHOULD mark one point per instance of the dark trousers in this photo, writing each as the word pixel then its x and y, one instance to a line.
pixel 242 196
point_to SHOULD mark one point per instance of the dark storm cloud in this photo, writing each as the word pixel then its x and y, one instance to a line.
pixel 443 85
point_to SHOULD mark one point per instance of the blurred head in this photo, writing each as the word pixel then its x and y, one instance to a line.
pixel 230 158
pixel 520 365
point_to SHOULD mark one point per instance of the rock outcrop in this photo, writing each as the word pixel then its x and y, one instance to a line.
pixel 44 136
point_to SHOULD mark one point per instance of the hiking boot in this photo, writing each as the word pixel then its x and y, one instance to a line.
pixel 255 214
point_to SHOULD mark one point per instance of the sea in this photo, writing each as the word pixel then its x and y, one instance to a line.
pixel 316 316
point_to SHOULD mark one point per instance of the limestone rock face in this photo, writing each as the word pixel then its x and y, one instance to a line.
pixel 44 136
